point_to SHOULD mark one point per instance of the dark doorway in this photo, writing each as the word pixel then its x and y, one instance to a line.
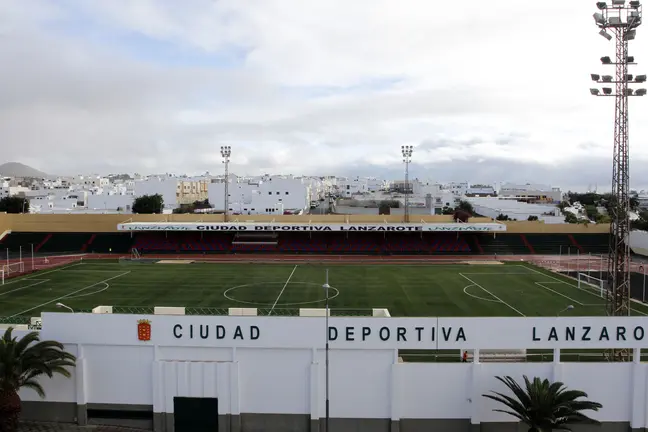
pixel 195 414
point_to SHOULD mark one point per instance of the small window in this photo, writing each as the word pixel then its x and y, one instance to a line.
pixel 286 193
pixel 245 209
pixel 252 209
pixel 277 193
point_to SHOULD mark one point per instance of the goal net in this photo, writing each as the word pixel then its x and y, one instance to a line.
pixel 12 269
pixel 592 283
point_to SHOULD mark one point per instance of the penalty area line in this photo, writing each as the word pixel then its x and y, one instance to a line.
pixel 490 293
pixel 69 294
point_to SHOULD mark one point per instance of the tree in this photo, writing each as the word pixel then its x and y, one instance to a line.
pixel 22 362
pixel 14 204
pixel 447 210
pixel 591 211
pixel 148 204
pixel 466 206
pixel 570 217
pixel 191 208
pixel 642 222
pixel 532 218
pixel 544 406
pixel 384 208
pixel 502 217
pixel 460 215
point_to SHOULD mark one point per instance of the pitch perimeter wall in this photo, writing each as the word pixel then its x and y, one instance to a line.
pixel 268 373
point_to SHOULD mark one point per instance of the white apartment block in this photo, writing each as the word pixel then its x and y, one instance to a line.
pixel 531 192
pixel 270 195
pixel 494 206
pixel 355 186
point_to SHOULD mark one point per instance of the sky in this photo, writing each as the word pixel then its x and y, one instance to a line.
pixel 317 87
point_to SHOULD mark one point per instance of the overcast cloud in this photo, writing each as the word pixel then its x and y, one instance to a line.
pixel 312 87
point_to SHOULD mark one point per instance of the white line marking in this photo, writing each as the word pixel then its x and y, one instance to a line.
pixel 91 271
pixel 36 275
pixel 40 281
pixel 282 290
pixel 578 288
pixel 494 296
pixel 556 292
pixel 107 285
pixel 498 274
pixel 69 294
pixel 465 290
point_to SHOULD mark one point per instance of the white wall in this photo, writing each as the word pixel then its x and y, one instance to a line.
pixel 290 378
pixel 165 186
pixel 363 383
pixel 109 202
pixel 639 242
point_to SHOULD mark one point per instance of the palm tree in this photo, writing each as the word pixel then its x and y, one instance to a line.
pixel 545 406
pixel 22 362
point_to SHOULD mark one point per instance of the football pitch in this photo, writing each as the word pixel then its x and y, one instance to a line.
pixel 444 290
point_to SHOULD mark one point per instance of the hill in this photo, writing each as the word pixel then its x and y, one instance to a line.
pixel 16 169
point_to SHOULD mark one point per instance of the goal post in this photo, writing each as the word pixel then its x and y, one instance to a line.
pixel 592 283
pixel 11 269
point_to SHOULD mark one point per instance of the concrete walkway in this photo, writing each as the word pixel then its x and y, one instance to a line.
pixel 67 427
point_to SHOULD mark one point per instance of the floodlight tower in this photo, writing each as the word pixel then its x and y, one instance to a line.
pixel 407 158
pixel 226 152
pixel 618 20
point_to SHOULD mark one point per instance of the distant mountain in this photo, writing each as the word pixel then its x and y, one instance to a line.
pixel 16 169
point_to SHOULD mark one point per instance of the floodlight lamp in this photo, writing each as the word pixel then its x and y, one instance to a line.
pixel 606 60
pixel 630 35
pixel 595 77
pixel 618 2
pixel 601 5
pixel 598 17
pixel 628 92
pixel 607 78
pixel 615 21
pixel 605 34
pixel 607 90
pixel 635 4
pixel 640 78
pixel 640 92
pixel 594 91
pixel 630 59
pixel 629 77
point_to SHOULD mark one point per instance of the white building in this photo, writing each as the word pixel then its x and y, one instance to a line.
pixel 531 192
pixel 267 195
pixel 348 187
pixel 494 206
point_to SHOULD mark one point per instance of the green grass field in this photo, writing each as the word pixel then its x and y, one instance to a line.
pixel 276 289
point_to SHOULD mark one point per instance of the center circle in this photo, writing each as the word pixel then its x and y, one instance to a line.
pixel 228 293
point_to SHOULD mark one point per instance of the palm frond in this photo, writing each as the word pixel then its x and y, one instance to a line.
pixel 544 405
pixel 24 360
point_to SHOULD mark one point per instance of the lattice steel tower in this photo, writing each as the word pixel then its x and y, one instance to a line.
pixel 618 20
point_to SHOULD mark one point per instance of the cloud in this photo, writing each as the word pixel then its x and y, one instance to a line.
pixel 313 87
